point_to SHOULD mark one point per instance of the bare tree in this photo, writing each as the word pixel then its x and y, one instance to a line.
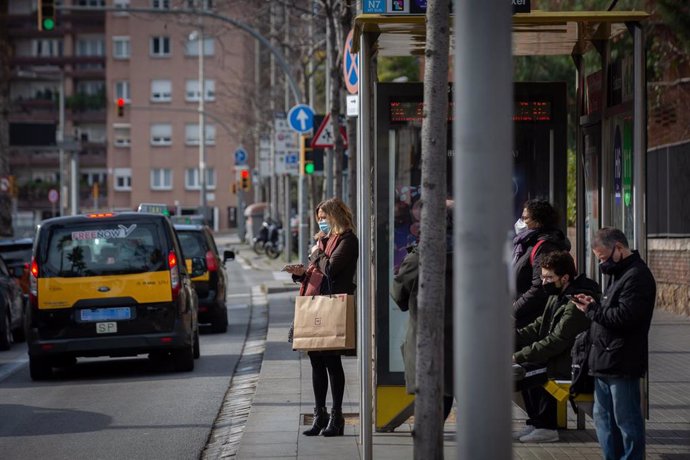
pixel 428 432
pixel 5 54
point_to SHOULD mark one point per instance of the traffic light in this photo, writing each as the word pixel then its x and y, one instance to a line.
pixel 306 157
pixel 244 180
pixel 46 15
pixel 308 167
pixel 120 107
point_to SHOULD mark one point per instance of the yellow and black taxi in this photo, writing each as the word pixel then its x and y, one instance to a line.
pixel 200 251
pixel 109 284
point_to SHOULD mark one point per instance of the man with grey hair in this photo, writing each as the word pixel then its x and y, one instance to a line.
pixel 619 330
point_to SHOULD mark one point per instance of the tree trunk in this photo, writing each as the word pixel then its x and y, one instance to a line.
pixel 428 431
pixel 346 15
pixel 5 55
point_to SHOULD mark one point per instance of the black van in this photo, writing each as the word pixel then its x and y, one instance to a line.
pixel 109 284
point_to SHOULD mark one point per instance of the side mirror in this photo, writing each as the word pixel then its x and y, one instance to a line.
pixel 228 255
pixel 198 266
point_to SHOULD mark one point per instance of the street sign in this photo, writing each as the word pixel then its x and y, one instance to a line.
pixel 301 118
pixel 53 195
pixel 324 137
pixel 285 142
pixel 240 156
pixel 352 105
pixel 350 66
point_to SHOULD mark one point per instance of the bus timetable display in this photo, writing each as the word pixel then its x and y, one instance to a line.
pixel 524 111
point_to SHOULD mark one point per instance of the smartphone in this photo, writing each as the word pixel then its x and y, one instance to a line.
pixel 572 298
pixel 290 266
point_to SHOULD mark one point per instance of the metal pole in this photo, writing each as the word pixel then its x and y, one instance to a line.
pixel 287 227
pixel 364 230
pixel 482 190
pixel 639 141
pixel 60 140
pixel 328 164
pixel 274 181
pixel 74 180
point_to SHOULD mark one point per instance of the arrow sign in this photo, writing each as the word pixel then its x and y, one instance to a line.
pixel 325 137
pixel 301 118
pixel 240 156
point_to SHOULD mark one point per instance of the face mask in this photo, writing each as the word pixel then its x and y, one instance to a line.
pixel 520 226
pixel 325 226
pixel 551 288
pixel 608 266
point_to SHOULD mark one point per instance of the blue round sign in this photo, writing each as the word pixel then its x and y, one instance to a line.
pixel 240 156
pixel 301 118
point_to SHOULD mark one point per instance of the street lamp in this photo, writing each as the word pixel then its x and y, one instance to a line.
pixel 198 35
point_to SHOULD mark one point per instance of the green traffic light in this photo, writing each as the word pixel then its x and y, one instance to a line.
pixel 48 24
pixel 309 168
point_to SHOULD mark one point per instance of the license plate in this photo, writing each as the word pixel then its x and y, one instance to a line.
pixel 106 328
pixel 106 314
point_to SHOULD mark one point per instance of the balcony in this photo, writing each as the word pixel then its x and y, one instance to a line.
pixel 44 108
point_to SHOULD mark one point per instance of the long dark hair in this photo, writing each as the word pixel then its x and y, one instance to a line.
pixel 542 212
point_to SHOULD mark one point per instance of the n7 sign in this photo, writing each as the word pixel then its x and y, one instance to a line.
pixel 373 6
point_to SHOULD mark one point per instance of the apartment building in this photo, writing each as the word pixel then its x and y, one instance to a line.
pixel 69 59
pixel 153 64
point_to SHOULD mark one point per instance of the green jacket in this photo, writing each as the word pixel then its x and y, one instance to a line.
pixel 549 339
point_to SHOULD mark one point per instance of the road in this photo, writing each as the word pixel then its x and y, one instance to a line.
pixel 128 408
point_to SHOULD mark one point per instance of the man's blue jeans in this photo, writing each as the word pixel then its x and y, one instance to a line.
pixel 618 418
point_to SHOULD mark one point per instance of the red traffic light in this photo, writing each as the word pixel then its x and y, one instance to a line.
pixel 120 102
pixel 245 174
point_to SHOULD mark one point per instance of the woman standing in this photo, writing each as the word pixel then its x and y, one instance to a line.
pixel 335 256
pixel 537 234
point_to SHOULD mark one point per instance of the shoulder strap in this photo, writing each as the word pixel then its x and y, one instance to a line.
pixel 533 254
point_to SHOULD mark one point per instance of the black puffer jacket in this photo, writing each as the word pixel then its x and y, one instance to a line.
pixel 620 323
pixel 531 298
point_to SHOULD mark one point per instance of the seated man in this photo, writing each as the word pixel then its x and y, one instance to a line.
pixel 543 347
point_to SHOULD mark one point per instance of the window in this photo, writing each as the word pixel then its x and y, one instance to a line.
pixel 122 180
pixel 192 134
pixel 47 48
pixel 90 47
pixel 121 4
pixel 160 4
pixel 161 90
pixel 161 134
pixel 161 179
pixel 120 47
pixel 160 46
pixel 122 90
pixel 91 87
pixel 192 90
pixel 204 4
pixel 191 181
pixel 91 3
pixel 122 136
pixel 192 47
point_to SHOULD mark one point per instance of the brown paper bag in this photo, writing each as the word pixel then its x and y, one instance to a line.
pixel 324 322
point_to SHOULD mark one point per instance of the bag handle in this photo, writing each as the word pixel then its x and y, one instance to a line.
pixel 533 255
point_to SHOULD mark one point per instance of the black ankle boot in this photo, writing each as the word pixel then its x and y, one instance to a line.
pixel 336 424
pixel 320 422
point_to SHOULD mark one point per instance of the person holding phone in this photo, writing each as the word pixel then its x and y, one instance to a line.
pixel 543 347
pixel 334 255
pixel 619 332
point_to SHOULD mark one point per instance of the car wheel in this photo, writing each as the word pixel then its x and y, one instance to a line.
pixel 18 335
pixel 5 332
pixel 183 359
pixel 197 345
pixel 40 368
pixel 220 325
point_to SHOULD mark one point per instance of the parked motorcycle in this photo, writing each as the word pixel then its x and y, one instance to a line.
pixel 260 240
pixel 276 242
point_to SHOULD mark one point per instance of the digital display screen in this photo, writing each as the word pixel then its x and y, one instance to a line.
pixel 525 111
pixel 401 112
pixel 532 111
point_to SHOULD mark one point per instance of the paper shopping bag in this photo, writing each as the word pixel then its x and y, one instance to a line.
pixel 324 322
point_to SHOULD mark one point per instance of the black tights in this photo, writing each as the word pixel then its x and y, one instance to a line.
pixel 323 367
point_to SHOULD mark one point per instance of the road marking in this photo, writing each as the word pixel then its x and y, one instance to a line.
pixel 8 369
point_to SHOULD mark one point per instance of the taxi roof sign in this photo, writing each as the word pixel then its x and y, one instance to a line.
pixel 154 208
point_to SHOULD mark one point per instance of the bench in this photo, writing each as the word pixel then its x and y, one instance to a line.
pixel 560 390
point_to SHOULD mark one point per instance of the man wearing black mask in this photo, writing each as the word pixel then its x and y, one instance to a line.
pixel 543 347
pixel 619 330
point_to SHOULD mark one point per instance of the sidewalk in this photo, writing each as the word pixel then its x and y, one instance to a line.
pixel 284 396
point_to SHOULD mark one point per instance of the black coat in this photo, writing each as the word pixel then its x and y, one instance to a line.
pixel 620 323
pixel 531 298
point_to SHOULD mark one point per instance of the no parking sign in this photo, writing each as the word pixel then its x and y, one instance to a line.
pixel 350 66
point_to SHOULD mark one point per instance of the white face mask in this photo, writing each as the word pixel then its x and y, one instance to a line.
pixel 520 226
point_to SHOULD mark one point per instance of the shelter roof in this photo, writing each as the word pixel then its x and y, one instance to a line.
pixel 535 33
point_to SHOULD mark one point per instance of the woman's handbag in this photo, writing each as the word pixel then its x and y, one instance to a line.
pixel 324 322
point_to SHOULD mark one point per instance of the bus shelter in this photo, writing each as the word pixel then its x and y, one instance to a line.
pixel 609 140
